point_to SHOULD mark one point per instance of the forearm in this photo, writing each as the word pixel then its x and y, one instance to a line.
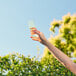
pixel 60 56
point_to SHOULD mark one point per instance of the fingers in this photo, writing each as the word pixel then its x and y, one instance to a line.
pixel 36 39
pixel 33 28
pixel 37 32
pixel 34 31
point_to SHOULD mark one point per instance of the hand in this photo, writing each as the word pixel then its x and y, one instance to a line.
pixel 41 38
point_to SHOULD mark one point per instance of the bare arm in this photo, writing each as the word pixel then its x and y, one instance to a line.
pixel 58 54
pixel 61 57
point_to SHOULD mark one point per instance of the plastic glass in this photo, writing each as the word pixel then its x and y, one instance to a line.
pixel 31 25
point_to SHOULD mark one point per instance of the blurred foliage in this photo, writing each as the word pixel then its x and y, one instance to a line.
pixel 65 40
pixel 19 65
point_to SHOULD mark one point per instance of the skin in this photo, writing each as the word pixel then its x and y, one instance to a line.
pixel 58 54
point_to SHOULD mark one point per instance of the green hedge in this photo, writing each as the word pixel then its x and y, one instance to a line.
pixel 19 65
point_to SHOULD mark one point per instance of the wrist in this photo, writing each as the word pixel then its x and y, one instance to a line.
pixel 46 42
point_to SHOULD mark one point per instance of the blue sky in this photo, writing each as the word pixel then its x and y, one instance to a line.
pixel 14 17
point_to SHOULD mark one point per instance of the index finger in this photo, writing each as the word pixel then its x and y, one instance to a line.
pixel 33 28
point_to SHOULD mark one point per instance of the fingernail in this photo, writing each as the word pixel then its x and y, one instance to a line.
pixel 38 31
pixel 31 37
